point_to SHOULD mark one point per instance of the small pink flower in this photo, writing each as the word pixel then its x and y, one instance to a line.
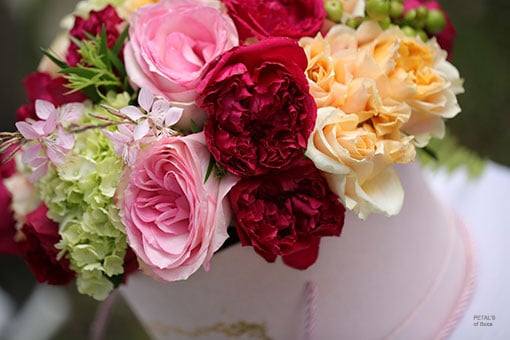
pixel 154 121
pixel 159 115
pixel 174 221
pixel 47 139
pixel 124 143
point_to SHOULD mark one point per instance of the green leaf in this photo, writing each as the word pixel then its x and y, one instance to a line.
pixel 209 168
pixel 103 46
pixel 115 61
pixel 431 153
pixel 54 59
pixel 194 127
pixel 120 41
pixel 79 71
pixel 451 155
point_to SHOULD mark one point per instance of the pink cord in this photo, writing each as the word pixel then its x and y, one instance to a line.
pixel 100 322
pixel 310 309
pixel 466 294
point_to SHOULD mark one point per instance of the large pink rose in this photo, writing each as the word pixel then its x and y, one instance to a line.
pixel 259 107
pixel 174 221
pixel 276 18
pixel 172 41
pixel 286 214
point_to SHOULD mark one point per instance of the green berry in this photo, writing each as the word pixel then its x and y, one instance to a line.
pixel 385 23
pixel 409 31
pixel 354 22
pixel 377 9
pixel 436 21
pixel 421 12
pixel 410 16
pixel 334 10
pixel 396 9
pixel 423 36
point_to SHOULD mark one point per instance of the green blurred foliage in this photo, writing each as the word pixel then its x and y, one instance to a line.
pixel 482 55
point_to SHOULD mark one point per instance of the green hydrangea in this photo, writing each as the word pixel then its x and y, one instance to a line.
pixel 80 197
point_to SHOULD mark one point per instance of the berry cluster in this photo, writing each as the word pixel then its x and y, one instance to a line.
pixel 419 21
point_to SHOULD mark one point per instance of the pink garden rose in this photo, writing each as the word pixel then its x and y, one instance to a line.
pixel 276 18
pixel 172 41
pixel 260 110
pixel 174 221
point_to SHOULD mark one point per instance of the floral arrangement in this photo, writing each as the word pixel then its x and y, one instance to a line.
pixel 159 132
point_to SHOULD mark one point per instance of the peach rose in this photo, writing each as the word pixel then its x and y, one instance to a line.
pixel 355 163
pixel 418 74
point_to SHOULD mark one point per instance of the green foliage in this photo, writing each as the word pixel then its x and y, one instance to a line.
pixel 100 70
pixel 447 153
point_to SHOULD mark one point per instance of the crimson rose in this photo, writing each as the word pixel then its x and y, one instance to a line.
pixel 93 25
pixel 7 223
pixel 41 85
pixel 38 249
pixel 276 18
pixel 260 112
pixel 286 214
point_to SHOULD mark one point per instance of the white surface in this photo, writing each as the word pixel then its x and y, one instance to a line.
pixel 484 204
pixel 41 316
pixel 6 311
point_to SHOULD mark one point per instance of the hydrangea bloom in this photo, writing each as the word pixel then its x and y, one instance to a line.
pixel 79 196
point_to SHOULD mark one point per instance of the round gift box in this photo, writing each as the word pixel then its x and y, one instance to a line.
pixel 404 277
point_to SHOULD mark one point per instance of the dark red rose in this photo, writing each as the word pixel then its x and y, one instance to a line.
pixel 93 25
pixel 276 18
pixel 41 85
pixel 260 112
pixel 285 214
pixel 446 37
pixel 8 245
pixel 38 249
pixel 130 263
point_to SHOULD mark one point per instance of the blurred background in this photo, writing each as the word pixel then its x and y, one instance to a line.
pixel 481 53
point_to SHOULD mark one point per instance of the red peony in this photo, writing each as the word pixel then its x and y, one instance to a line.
pixel 260 112
pixel 276 18
pixel 41 85
pixel 446 37
pixel 93 25
pixel 38 249
pixel 286 214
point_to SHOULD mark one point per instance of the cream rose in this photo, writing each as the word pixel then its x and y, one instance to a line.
pixel 418 74
pixel 355 163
